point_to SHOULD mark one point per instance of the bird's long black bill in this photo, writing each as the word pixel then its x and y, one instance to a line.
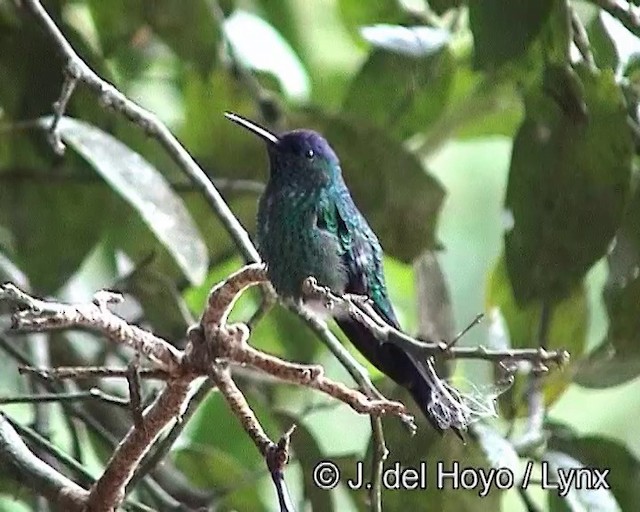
pixel 260 131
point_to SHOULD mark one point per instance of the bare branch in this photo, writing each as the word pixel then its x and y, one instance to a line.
pixel 276 455
pixel 39 315
pixel 91 394
pixel 90 372
pixel 109 490
pixel 380 454
pixel 625 12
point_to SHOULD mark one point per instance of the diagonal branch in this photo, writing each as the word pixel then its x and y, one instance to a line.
pixel 58 489
pixel 110 487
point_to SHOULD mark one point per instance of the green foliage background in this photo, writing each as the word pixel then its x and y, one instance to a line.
pixel 486 140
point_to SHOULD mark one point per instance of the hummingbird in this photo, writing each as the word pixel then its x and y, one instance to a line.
pixel 308 225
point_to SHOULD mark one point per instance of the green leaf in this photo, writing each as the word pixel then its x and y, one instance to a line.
pixel 403 206
pixel 116 32
pixel 506 31
pixel 577 498
pixel 604 50
pixel 164 307
pixel 269 52
pixel 307 451
pixel 499 452
pixel 430 448
pixel 567 331
pixel 188 28
pixel 617 358
pixel 603 453
pixel 144 188
pixel 210 468
pixel 401 93
pixel 568 171
pixel 356 13
pixel 34 210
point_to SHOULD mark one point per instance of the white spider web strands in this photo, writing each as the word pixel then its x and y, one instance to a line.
pixel 458 402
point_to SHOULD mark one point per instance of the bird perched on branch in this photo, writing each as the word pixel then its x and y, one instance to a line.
pixel 308 225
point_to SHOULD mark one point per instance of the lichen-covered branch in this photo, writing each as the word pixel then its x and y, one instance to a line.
pixel 38 315
pixel 109 490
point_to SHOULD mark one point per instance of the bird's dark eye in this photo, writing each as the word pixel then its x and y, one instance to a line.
pixel 309 154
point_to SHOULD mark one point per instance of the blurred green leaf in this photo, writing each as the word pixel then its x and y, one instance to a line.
pixel 209 468
pixel 189 28
pixel 505 31
pixel 116 32
pixel 400 93
pixel 578 497
pixel 163 306
pixel 617 358
pixel 54 227
pixel 144 188
pixel 403 206
pixel 603 453
pixel 567 330
pixel 499 452
pixel 602 46
pixel 267 51
pixel 442 6
pixel 431 448
pixel 355 14
pixel 567 172
pixel 307 451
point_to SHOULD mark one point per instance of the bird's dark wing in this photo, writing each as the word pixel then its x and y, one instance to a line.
pixel 361 251
pixel 362 257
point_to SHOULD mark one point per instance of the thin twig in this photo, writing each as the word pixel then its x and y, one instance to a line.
pixel 135 398
pixel 359 307
pixel 162 449
pixel 380 454
pixel 92 394
pixel 90 372
pixel 625 12
pixel 72 408
pixel 70 462
pixel 533 434
pixel 59 108
pixel 581 38
pixel 109 491
pixel 276 455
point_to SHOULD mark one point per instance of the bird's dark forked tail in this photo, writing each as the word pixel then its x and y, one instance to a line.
pixel 442 405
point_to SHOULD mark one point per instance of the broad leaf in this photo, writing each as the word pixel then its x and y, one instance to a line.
pixel 145 189
pixel 568 183
pixel 521 23
pixel 603 453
